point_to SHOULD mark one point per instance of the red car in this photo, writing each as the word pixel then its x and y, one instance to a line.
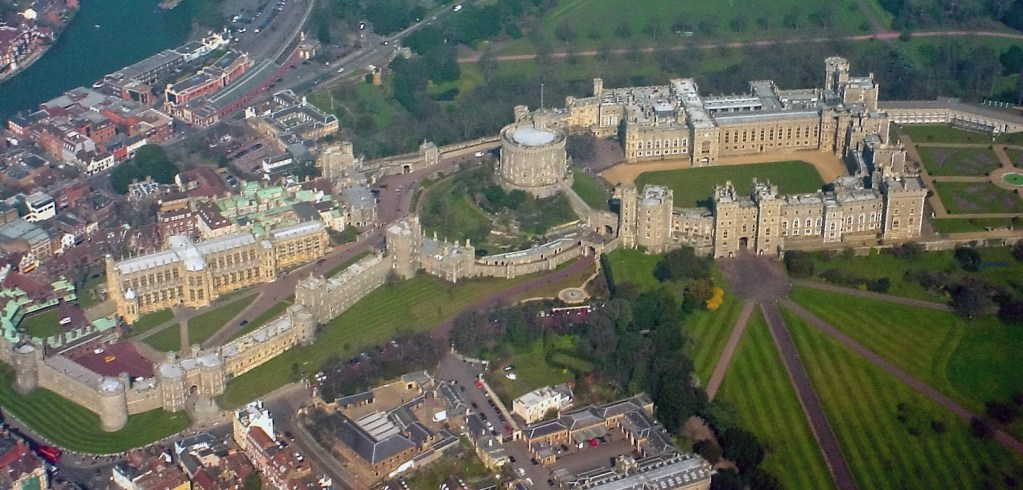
pixel 479 384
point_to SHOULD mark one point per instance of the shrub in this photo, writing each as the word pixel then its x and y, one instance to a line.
pixel 799 264
pixel 968 259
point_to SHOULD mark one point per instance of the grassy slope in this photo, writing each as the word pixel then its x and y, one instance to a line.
pixel 759 389
pixel 968 360
pixel 884 446
pixel 588 188
pixel 72 427
pixel 417 305
pixel 151 320
pixel 634 266
pixel 708 332
pixel 693 187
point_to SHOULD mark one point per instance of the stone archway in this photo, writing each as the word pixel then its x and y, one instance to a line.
pixel 743 243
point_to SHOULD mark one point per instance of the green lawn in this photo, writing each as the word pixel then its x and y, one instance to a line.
pixel 1015 156
pixel 72 427
pixel 531 371
pixel 416 305
pixel 166 340
pixel 694 186
pixel 969 360
pixel 887 431
pixel 150 321
pixel 590 24
pixel 264 317
pixel 590 189
pixel 943 133
pixel 967 225
pixel 42 325
pixel 708 333
pixel 202 327
pixel 759 389
pixel 450 214
pixel 958 161
pixel 977 197
pixel 87 295
pixel 634 266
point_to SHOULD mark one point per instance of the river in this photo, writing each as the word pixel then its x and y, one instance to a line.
pixel 104 36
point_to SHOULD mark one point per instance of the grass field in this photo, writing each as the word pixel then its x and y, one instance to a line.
pixel 42 325
pixel 708 333
pixel 590 190
pixel 72 427
pixel 416 305
pixel 967 225
pixel 890 436
pixel 759 389
pixel 958 161
pixel 693 187
pixel 551 290
pixel 150 321
pixel 589 24
pixel 202 327
pixel 166 340
pixel 634 266
pixel 450 214
pixel 943 133
pixel 980 197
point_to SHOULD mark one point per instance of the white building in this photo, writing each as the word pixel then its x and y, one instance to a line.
pixel 41 207
pixel 534 405
pixel 253 415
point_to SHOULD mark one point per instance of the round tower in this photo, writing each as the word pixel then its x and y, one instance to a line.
pixel 26 369
pixel 302 319
pixel 403 242
pixel 533 159
pixel 171 380
pixel 113 407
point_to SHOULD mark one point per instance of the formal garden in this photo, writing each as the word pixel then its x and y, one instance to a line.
pixel 943 160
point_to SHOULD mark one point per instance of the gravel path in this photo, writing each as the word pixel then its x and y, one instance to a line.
pixel 872 295
pixel 714 384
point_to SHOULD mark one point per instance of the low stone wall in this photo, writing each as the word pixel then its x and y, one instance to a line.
pixel 140 401
pixel 78 392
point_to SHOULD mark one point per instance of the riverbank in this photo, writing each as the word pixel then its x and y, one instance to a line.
pixel 32 58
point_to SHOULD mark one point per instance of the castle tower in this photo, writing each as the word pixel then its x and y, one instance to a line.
pixel 336 159
pixel 26 368
pixel 113 407
pixel 836 72
pixel 626 195
pixel 533 158
pixel 211 374
pixel 171 380
pixel 598 86
pixel 403 242
pixel 653 218
pixel 726 215
pixel 521 113
pixel 768 238
pixel 302 319
pixel 903 207
pixel 125 300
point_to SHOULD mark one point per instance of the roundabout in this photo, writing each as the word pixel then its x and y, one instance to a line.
pixel 572 295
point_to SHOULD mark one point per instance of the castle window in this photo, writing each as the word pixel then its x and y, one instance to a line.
pixel 819 220
pixel 809 222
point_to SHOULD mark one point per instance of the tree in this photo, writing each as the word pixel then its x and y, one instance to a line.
pixel 697 294
pixel 799 263
pixel 1002 412
pixel 726 480
pixel 910 251
pixel 742 447
pixel 623 31
pixel 252 482
pixel 1017 251
pixel 565 32
pixel 682 263
pixel 980 428
pixel 968 300
pixel 1011 312
pixel 1011 60
pixel 968 258
pixel 709 449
